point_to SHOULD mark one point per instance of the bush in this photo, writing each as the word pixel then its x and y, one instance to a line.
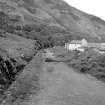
pixel 8 70
pixel 90 62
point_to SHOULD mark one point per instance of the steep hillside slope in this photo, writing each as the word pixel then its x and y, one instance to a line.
pixel 56 13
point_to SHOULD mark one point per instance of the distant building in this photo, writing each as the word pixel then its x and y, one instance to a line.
pixel 80 45
pixel 76 45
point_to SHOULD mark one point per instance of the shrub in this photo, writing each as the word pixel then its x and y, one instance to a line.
pixel 8 70
pixel 90 62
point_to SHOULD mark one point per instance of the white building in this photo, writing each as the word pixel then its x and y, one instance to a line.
pixel 76 45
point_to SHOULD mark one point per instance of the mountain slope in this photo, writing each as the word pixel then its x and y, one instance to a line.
pixel 57 13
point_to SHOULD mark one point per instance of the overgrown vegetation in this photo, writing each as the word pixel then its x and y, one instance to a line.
pixel 8 69
pixel 25 85
pixel 89 62
pixel 47 36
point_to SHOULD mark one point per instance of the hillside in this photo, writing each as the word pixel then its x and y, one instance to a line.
pixel 29 26
pixel 56 13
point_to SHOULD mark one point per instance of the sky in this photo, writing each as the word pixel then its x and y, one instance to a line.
pixel 95 7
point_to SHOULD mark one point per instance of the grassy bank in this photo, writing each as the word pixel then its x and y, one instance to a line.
pixel 89 62
pixel 27 83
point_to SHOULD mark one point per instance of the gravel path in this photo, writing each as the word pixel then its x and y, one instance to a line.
pixel 63 86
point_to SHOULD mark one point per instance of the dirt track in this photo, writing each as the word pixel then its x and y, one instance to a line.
pixel 63 86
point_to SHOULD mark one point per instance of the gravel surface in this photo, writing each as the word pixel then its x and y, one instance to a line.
pixel 63 86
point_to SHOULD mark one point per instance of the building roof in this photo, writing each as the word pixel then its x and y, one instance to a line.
pixel 75 42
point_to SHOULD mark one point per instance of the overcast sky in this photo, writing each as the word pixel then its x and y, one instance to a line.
pixel 95 7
